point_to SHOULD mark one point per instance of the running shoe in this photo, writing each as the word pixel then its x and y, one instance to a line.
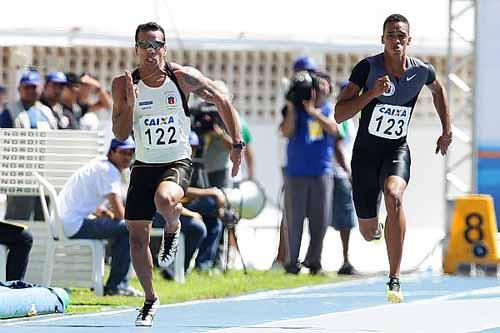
pixel 147 313
pixel 394 292
pixel 168 248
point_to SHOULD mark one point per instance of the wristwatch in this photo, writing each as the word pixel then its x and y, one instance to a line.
pixel 239 145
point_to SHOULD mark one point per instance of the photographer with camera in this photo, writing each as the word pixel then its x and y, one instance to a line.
pixel 216 144
pixel 310 129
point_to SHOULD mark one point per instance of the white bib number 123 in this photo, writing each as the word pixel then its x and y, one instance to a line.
pixel 389 121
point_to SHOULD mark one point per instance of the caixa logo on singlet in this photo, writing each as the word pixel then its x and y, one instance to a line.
pixel 158 121
pixel 171 100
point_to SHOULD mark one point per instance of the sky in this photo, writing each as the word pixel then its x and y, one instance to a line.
pixel 319 21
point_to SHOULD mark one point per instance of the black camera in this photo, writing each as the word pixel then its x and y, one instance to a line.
pixel 205 116
pixel 301 86
pixel 230 217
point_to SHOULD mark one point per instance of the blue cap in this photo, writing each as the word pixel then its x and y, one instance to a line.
pixel 304 63
pixel 30 78
pixel 57 77
pixel 121 145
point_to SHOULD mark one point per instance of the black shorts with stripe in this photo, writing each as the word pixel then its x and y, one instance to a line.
pixel 369 172
pixel 145 179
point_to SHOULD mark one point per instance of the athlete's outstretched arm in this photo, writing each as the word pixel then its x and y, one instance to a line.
pixel 124 97
pixel 350 101
pixel 441 105
pixel 192 81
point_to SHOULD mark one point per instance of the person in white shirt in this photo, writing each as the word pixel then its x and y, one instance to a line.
pixel 84 215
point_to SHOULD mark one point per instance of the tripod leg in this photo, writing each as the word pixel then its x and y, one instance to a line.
pixel 239 252
pixel 225 250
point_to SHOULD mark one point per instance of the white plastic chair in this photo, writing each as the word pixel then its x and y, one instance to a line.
pixel 58 238
pixel 3 262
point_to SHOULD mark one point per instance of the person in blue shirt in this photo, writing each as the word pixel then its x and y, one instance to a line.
pixel 310 129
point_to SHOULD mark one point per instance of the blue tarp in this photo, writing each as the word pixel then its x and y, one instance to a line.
pixel 20 299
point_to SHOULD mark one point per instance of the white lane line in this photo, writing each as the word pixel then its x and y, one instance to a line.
pixel 255 296
pixel 277 324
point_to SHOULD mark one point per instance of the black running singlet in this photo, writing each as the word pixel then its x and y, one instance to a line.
pixel 384 121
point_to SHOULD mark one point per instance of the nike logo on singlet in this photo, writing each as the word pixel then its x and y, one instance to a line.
pixel 410 77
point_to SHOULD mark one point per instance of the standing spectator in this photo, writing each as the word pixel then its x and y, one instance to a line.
pixel 310 128
pixel 302 63
pixel 343 213
pixel 92 97
pixel 18 240
pixel 84 193
pixel 69 101
pixel 51 97
pixel 5 118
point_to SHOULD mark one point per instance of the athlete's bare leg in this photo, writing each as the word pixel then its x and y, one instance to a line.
pixel 167 200
pixel 142 260
pixel 395 226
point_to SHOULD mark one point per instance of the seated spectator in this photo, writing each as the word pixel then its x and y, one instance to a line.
pixel 200 221
pixel 200 225
pixel 28 111
pixel 18 240
pixel 51 97
pixel 89 86
pixel 92 97
pixel 84 193
pixel 5 119
pixel 69 101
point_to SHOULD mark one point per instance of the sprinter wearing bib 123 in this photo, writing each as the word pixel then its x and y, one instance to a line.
pixel 385 87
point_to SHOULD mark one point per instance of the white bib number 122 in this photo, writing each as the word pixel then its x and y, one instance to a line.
pixel 158 132
pixel 158 137
pixel 389 121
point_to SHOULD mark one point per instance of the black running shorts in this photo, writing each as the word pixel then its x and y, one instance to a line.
pixel 144 181
pixel 369 172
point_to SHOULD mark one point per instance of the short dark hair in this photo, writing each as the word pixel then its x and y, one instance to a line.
pixel 395 18
pixel 72 78
pixel 150 26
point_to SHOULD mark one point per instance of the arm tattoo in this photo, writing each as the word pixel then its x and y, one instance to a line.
pixel 192 77
pixel 206 92
pixel 201 86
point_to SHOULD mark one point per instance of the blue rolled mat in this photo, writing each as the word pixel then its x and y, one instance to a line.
pixel 31 300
